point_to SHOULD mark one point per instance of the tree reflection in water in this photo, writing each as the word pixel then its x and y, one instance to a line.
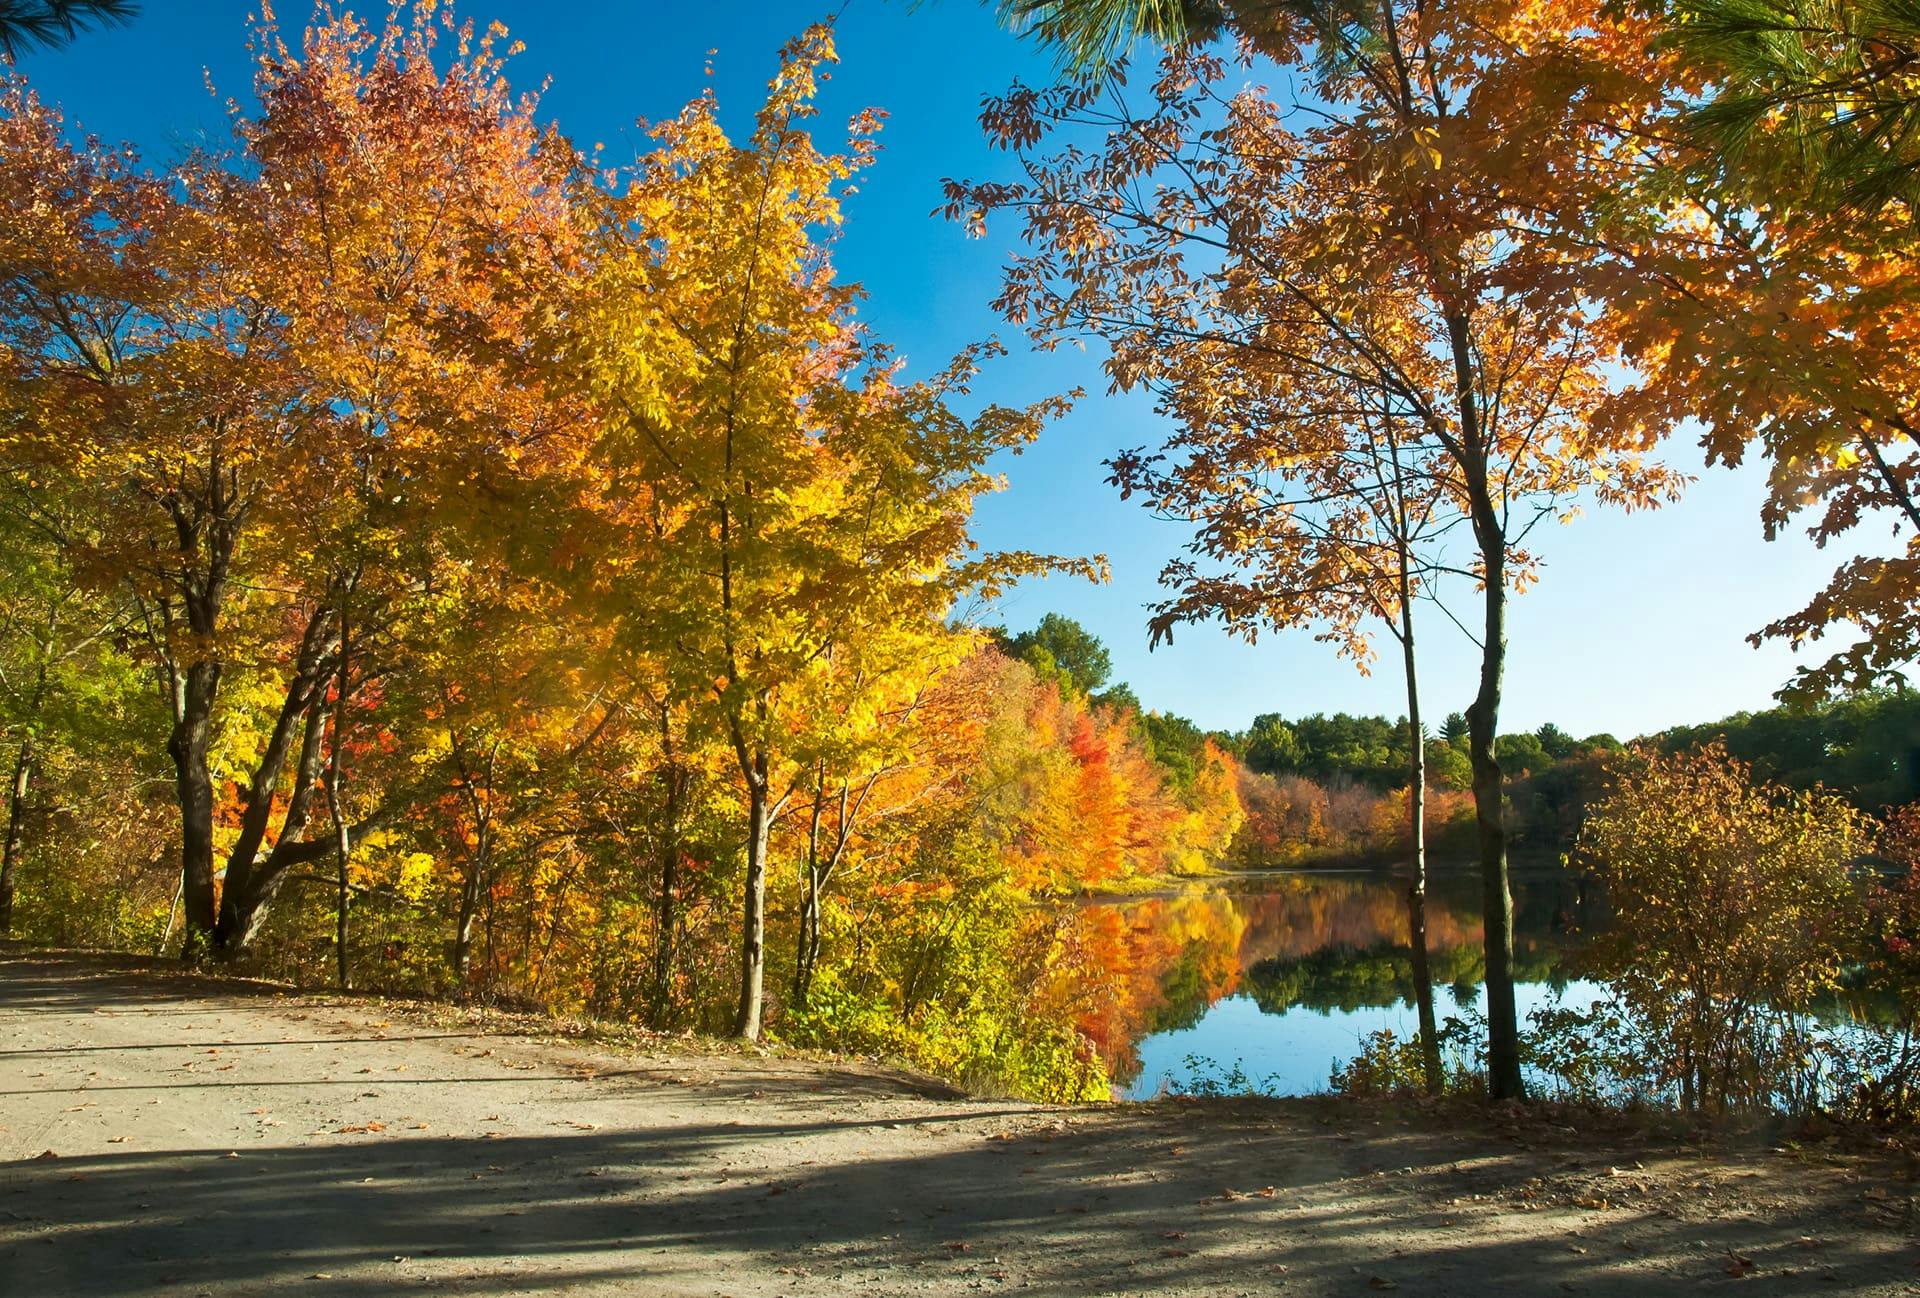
pixel 1140 973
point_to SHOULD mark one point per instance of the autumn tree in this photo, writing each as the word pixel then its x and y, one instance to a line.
pixel 1761 269
pixel 508 714
pixel 254 350
pixel 886 752
pixel 814 506
pixel 1311 510
pixel 424 222
pixel 1380 244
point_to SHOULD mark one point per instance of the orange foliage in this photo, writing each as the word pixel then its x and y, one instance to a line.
pixel 1095 808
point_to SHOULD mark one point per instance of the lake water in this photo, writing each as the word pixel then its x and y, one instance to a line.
pixel 1281 976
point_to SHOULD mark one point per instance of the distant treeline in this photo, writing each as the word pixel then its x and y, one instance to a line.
pixel 1333 786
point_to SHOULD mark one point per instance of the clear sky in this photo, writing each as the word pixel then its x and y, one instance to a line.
pixel 1639 623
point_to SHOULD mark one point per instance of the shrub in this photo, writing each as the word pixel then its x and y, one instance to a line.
pixel 1735 909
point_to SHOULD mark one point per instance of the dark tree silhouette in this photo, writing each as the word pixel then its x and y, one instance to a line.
pixel 25 24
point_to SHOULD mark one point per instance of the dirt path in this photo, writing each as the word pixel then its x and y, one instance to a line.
pixel 213 1141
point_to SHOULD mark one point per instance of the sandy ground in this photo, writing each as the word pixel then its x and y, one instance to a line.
pixel 160 1136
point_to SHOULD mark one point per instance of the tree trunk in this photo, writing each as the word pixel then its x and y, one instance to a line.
pixel 166 934
pixel 343 898
pixel 469 908
pixel 251 883
pixel 1503 1034
pixel 753 917
pixel 807 943
pixel 193 784
pixel 16 831
pixel 666 911
pixel 1417 825
pixel 342 835
pixel 1504 1081
pixel 666 936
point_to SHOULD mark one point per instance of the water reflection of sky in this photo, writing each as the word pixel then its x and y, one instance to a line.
pixel 1292 1053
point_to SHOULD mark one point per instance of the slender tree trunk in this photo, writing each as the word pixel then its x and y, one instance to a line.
pixel 666 913
pixel 753 918
pixel 193 785
pixel 666 937
pixel 23 767
pixel 343 897
pixel 462 959
pixel 16 831
pixel 173 908
pixel 1417 827
pixel 469 909
pixel 1504 1080
pixel 342 835
pixel 479 877
pixel 807 943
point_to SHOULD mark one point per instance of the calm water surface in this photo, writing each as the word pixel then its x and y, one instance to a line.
pixel 1283 975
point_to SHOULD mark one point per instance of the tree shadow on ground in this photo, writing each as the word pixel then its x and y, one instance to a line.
pixel 1106 1209
pixel 746 1176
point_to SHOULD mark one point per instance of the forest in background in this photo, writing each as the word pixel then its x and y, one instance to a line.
pixel 1331 789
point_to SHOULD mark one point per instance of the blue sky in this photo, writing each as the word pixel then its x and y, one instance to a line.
pixel 1639 623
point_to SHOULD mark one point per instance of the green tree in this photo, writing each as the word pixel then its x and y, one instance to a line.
pixel 1060 648
pixel 1866 745
pixel 1175 742
pixel 1837 82
pixel 1555 742
pixel 1447 765
pixel 1271 746
pixel 1522 754
pixel 61 682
